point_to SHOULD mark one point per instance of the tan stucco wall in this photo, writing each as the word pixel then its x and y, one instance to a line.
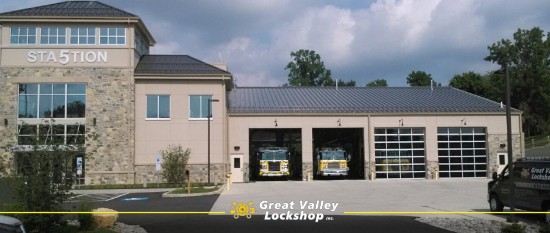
pixel 118 56
pixel 155 135
pixel 239 126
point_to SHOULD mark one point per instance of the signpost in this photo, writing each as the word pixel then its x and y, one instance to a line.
pixel 157 169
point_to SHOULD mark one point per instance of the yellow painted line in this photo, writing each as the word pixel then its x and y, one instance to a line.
pixel 122 212
pixel 438 212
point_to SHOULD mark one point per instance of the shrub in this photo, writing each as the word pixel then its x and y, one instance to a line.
pixel 544 227
pixel 174 162
pixel 86 220
pixel 513 228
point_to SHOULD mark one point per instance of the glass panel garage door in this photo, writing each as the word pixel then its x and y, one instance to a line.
pixel 399 152
pixel 462 152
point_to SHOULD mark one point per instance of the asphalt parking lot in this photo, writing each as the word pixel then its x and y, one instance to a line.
pixel 445 195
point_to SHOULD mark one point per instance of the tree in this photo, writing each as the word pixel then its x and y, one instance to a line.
pixel 420 78
pixel 43 173
pixel 174 162
pixel 378 83
pixel 308 69
pixel 471 82
pixel 527 59
pixel 350 83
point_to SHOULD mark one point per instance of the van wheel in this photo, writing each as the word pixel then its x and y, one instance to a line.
pixel 494 204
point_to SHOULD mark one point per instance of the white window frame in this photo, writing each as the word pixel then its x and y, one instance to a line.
pixel 158 118
pixel 35 35
pixel 116 36
pixel 87 35
pixel 50 35
pixel 399 150
pixel 201 118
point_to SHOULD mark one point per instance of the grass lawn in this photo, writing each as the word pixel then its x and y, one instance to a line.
pixel 196 189
pixel 133 186
pixel 539 140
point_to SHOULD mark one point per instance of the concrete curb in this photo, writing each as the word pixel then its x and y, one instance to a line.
pixel 219 191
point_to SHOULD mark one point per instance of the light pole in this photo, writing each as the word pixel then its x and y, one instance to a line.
pixel 509 142
pixel 208 120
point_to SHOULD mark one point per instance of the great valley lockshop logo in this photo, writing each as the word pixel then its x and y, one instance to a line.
pixel 305 210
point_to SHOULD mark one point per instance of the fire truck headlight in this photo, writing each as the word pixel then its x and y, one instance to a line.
pixel 342 165
pixel 264 166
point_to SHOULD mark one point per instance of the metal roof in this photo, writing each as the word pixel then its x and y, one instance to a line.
pixel 358 100
pixel 174 65
pixel 72 9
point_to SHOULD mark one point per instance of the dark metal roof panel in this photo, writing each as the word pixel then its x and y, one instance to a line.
pixel 175 64
pixel 72 9
pixel 357 100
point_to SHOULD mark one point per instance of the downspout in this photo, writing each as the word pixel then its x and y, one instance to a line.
pixel 370 171
pixel 521 137
pixel 225 129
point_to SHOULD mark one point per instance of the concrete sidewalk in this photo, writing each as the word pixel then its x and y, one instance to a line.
pixel 446 195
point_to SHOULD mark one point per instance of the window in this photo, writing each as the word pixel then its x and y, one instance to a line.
pixel 198 106
pixel 70 134
pixel 112 36
pixel 23 35
pixel 158 107
pixel 462 152
pixel 82 35
pixel 52 100
pixel 52 35
pixel 399 152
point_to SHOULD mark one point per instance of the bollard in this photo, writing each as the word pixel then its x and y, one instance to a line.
pixel 372 173
pixel 436 173
pixel 188 181
pixel 228 180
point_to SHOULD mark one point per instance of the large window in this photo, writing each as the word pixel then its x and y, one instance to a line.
pixel 70 134
pixel 112 36
pixel 53 35
pixel 52 100
pixel 158 107
pixel 462 152
pixel 82 35
pixel 23 35
pixel 199 106
pixel 399 152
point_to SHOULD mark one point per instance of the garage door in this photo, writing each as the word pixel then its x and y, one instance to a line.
pixel 462 152
pixel 399 152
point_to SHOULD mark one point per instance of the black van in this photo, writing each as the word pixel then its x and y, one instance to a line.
pixel 532 186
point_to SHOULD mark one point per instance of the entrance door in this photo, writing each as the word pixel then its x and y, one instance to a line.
pixel 502 161
pixel 237 168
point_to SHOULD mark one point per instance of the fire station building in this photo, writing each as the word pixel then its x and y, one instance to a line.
pixel 84 66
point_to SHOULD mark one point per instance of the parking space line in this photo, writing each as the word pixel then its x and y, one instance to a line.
pixel 117 197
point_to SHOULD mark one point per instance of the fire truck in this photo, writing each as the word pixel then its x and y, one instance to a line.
pixel 274 162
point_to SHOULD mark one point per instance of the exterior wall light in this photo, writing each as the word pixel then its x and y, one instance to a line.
pixel 276 123
pixel 463 121
pixel 401 122
pixel 339 122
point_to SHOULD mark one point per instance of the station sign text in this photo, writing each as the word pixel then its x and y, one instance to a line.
pixel 65 57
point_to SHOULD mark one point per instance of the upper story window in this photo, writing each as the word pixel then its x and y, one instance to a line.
pixel 112 36
pixel 82 35
pixel 199 106
pixel 52 100
pixel 23 35
pixel 158 107
pixel 53 35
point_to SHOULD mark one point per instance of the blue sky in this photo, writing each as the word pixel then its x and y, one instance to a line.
pixel 359 40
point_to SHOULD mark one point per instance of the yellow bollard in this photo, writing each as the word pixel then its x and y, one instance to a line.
pixel 436 173
pixel 228 180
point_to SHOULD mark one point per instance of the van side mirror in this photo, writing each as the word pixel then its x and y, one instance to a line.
pixel 495 176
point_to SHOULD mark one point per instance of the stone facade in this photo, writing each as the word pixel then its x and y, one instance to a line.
pixel 109 100
pixel 307 167
pixel 494 142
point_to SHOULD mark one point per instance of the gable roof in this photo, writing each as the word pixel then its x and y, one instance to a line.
pixel 175 65
pixel 358 100
pixel 73 9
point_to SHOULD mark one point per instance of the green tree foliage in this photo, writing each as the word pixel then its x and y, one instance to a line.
pixel 350 83
pixel 527 58
pixel 41 175
pixel 378 83
pixel 420 78
pixel 471 82
pixel 307 69
pixel 174 162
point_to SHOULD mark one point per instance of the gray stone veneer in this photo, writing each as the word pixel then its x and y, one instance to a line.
pixel 109 99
